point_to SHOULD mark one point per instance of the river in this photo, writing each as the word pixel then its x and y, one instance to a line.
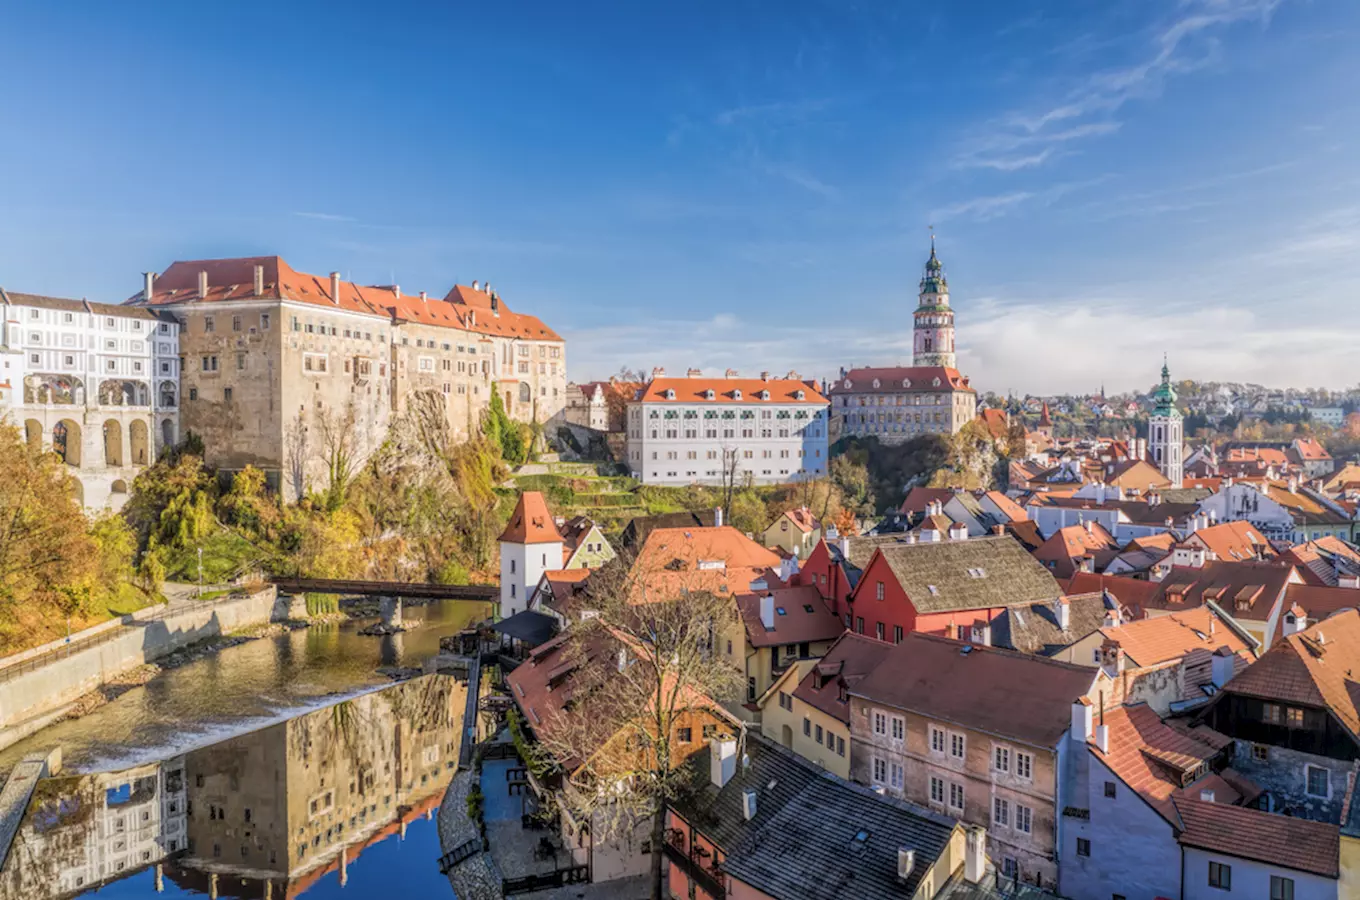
pixel 277 768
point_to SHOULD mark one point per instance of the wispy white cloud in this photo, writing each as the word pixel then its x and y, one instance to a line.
pixel 1188 43
pixel 776 111
pixel 996 205
pixel 324 217
pixel 803 179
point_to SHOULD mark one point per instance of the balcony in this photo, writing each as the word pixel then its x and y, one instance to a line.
pixel 696 864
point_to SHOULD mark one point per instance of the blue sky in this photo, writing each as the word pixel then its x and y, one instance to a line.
pixel 743 184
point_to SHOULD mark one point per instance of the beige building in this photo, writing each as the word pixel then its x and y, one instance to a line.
pixel 975 733
pixel 795 531
pixel 278 365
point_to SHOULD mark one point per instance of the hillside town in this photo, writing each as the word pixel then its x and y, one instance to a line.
pixel 1106 661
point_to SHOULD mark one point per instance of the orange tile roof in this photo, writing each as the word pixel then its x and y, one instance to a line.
pixel 1149 756
pixel 895 379
pixel 1269 456
pixel 1311 668
pixel 1147 642
pixel 1074 542
pixel 474 307
pixel 1310 449
pixel 804 617
pixel 531 523
pixel 996 422
pixel 731 390
pixel 1008 506
pixel 803 519
pixel 718 559
pixel 1286 841
pixel 1237 540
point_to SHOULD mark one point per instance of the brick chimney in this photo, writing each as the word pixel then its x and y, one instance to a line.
pixel 202 285
pixel 335 288
pixel 259 281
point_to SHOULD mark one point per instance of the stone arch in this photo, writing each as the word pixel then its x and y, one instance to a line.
pixel 139 443
pixel 113 443
pixel 167 395
pixel 525 392
pixel 167 433
pixel 66 442
pixel 118 487
pixel 43 389
pixel 33 434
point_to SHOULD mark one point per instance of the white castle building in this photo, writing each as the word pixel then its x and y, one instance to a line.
pixel 94 383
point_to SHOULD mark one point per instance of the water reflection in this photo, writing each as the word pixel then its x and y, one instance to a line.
pixel 270 814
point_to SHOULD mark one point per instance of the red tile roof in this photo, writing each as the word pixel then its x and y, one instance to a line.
pixel 1148 642
pixel 1286 841
pixel 997 423
pixel 800 616
pixel 849 660
pixel 1009 694
pixel 1309 449
pixel 718 559
pixel 896 379
pixel 1237 540
pixel 918 498
pixel 1244 590
pixel 1067 546
pixel 731 390
pixel 1005 504
pixel 1149 756
pixel 531 523
pixel 1132 593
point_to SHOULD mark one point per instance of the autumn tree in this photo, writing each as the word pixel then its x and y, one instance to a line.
pixel 647 665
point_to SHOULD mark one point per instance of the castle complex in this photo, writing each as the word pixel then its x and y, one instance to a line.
pixel 897 403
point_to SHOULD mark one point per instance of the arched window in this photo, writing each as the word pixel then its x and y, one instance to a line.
pixel 524 393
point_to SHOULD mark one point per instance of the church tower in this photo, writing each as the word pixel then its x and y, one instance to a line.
pixel 1165 437
pixel 933 344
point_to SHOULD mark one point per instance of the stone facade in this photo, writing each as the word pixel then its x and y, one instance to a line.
pixel 95 383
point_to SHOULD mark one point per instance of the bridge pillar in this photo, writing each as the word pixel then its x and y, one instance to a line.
pixel 390 610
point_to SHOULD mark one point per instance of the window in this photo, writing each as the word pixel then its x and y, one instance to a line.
pixel 897 634
pixel 956 795
pixel 880 723
pixel 264 321
pixel 1001 759
pixel 1024 765
pixel 807 726
pixel 1270 712
pixel 1281 888
pixel 207 323
pixel 1024 819
pixel 1260 752
pixel 899 729
pixel 1110 789
pixel 880 771
pixel 936 739
pixel 235 323
pixel 1083 847
pixel 785 701
pixel 226 394
pixel 840 746
pixel 936 790
pixel 897 777
pixel 1317 780
pixel 878 631
pixel 1220 876
pixel 1293 717
pixel 878 591
pixel 684 735
pixel 1001 811
pixel 859 624
pixel 193 393
pixel 818 738
pixel 956 745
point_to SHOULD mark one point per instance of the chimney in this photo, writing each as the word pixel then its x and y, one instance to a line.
pixel 486 289
pixel 1103 738
pixel 975 854
pixel 845 546
pixel 424 298
pixel 1081 721
pixel 764 376
pixel 202 285
pixel 767 612
pixel 1222 666
pixel 396 291
pixel 717 516
pixel 693 373
pixel 658 372
pixel 495 305
pixel 906 862
pixel 335 288
pixel 148 286
pixel 1062 611
pixel 259 281
pixel 1087 525
pixel 475 285
pixel 958 532
pixel 748 804
pixel 998 529
pixel 730 373
pixel 722 760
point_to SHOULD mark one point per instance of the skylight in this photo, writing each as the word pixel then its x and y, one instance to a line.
pixel 780 610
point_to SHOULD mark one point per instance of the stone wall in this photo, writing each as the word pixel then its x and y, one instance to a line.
pixel 47 686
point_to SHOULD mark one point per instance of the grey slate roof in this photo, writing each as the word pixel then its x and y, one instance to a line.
pixel 82 306
pixel 1034 628
pixel 970 574
pixel 801 842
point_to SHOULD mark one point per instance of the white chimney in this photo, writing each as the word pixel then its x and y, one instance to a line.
pixel 396 291
pixel 1062 610
pixel 424 297
pixel 1081 721
pixel 845 546
pixel 975 854
pixel 906 862
pixel 148 285
pixel 1103 738
pixel 202 285
pixel 335 288
pixel 767 612
pixel 958 532
pixel 1088 525
pixel 717 516
pixel 1222 666
pixel 259 281
pixel 475 285
pixel 748 804
pixel 722 760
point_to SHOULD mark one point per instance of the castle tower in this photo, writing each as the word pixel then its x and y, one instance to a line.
pixel 1165 437
pixel 933 344
pixel 530 546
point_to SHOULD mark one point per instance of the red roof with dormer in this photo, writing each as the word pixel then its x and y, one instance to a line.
pixel 895 379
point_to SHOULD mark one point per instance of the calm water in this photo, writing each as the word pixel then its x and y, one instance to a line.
pixel 341 798
pixel 245 687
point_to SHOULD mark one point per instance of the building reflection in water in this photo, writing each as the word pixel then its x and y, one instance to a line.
pixel 265 814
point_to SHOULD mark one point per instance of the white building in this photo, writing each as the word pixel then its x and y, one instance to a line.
pixel 760 430
pixel 1331 416
pixel 95 383
pixel 530 546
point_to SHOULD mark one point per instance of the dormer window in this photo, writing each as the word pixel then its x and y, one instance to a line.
pixel 709 394
pixel 936 382
pixel 848 384
pixel 906 382
pixel 876 383
pixel 764 395
pixel 670 394
pixel 736 394
pixel 799 395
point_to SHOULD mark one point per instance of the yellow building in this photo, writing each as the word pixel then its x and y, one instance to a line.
pixel 779 628
pixel 795 531
pixel 807 709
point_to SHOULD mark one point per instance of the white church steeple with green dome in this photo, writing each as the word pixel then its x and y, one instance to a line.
pixel 933 339
pixel 1166 439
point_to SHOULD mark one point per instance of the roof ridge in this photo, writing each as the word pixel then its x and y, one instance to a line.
pixel 1004 651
